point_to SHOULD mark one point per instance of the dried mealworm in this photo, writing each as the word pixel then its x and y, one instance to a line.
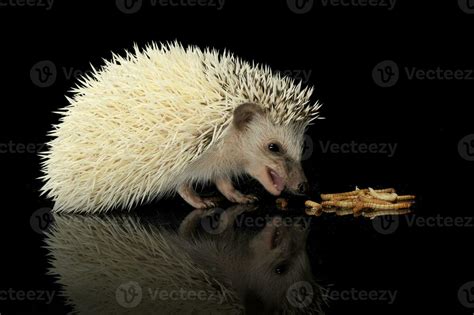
pixel 345 197
pixel 359 206
pixel 312 204
pixel 377 206
pixel 405 197
pixel 369 199
pixel 313 211
pixel 343 194
pixel 383 195
pixel 339 203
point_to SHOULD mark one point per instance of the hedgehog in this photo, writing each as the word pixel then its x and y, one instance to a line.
pixel 167 118
pixel 103 262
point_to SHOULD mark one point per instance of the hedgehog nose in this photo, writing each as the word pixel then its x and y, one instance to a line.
pixel 303 187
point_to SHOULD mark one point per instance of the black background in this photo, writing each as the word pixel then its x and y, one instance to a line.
pixel 339 46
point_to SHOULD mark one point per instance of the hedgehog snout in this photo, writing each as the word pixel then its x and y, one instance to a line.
pixel 297 182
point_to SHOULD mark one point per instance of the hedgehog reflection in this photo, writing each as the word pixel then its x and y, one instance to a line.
pixel 126 265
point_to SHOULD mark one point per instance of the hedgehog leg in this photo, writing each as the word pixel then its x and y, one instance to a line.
pixel 187 192
pixel 225 186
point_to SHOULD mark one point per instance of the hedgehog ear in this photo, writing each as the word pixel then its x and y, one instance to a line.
pixel 244 113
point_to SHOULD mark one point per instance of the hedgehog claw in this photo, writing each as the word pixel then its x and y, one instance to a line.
pixel 248 199
pixel 209 203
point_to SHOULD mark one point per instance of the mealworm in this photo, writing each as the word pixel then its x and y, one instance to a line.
pixel 339 203
pixel 355 193
pixel 369 200
pixel 344 194
pixel 383 196
pixel 377 206
pixel 345 197
pixel 405 197
pixel 314 211
pixel 312 204
pixel 358 207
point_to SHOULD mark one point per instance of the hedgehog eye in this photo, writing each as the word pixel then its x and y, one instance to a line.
pixel 274 147
pixel 281 269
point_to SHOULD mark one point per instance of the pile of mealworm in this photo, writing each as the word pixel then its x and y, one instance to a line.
pixel 368 202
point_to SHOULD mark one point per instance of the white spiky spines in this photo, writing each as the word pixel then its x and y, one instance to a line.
pixel 133 125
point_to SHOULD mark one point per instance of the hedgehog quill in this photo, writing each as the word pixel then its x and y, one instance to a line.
pixel 160 120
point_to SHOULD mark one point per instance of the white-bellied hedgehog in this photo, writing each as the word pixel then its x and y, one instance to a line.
pixel 160 120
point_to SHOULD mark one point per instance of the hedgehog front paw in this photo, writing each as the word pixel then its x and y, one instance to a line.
pixel 202 203
pixel 190 196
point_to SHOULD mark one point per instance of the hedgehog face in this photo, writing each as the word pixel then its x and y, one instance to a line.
pixel 273 152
